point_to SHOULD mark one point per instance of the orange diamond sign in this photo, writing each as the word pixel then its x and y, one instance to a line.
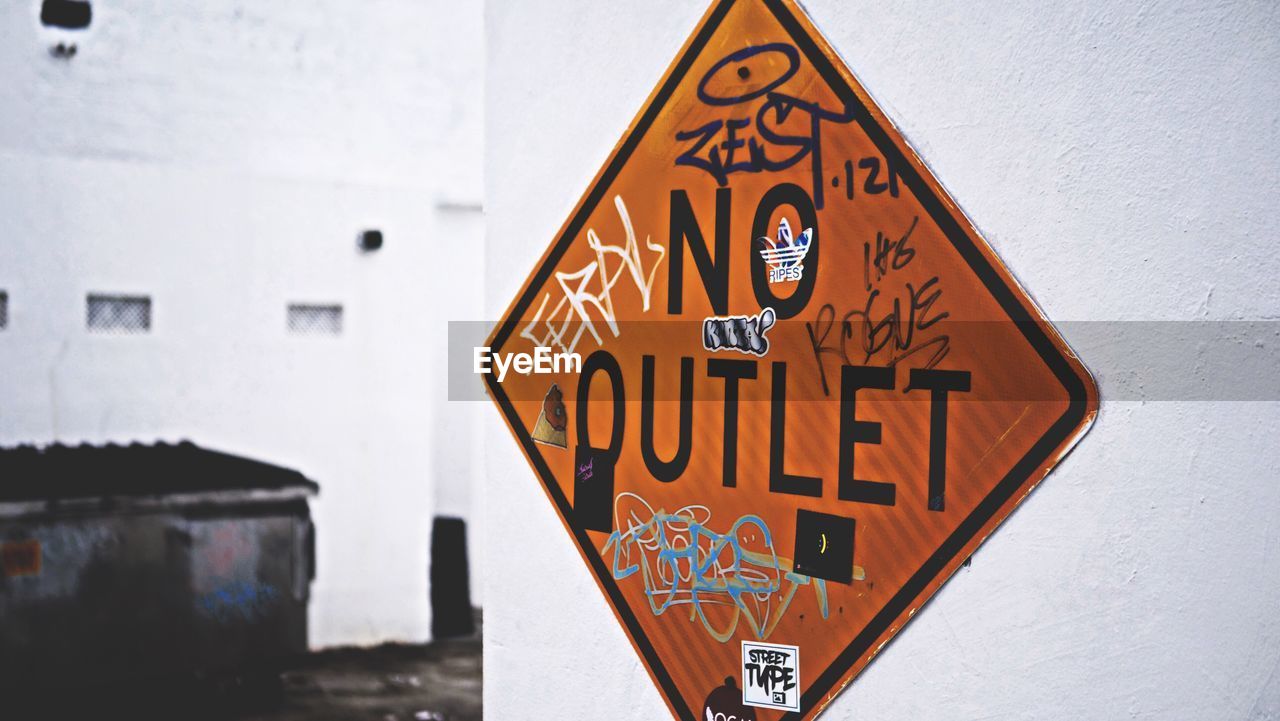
pixel 775 384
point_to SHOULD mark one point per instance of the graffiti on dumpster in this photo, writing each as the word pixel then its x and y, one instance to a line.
pixel 239 601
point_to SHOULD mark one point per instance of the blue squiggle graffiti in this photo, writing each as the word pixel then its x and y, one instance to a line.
pixel 683 562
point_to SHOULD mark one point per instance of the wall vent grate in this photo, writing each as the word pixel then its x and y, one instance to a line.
pixel 315 319
pixel 119 314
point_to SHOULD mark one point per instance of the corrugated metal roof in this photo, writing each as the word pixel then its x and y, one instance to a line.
pixel 55 472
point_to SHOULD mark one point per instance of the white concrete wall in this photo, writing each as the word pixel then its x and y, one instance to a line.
pixel 221 157
pixel 1124 159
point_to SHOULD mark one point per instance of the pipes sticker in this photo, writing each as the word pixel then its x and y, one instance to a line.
pixel 785 258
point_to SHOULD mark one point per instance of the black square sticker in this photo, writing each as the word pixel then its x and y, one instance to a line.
pixel 824 546
pixel 593 489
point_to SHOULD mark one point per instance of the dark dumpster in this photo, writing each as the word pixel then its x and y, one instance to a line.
pixel 135 561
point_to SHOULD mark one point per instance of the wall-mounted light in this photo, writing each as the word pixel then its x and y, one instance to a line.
pixel 370 240
pixel 68 14
pixel 61 15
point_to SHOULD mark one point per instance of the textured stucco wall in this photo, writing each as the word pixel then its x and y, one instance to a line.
pixel 221 157
pixel 1124 160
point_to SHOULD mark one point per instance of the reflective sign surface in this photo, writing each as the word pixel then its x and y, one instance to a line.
pixel 808 388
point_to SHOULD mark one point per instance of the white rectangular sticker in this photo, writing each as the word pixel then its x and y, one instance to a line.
pixel 771 675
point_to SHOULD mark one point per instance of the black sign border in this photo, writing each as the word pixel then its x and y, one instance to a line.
pixel 1059 431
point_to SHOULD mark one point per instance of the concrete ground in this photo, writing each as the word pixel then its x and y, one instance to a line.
pixel 436 682
pixel 439 682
